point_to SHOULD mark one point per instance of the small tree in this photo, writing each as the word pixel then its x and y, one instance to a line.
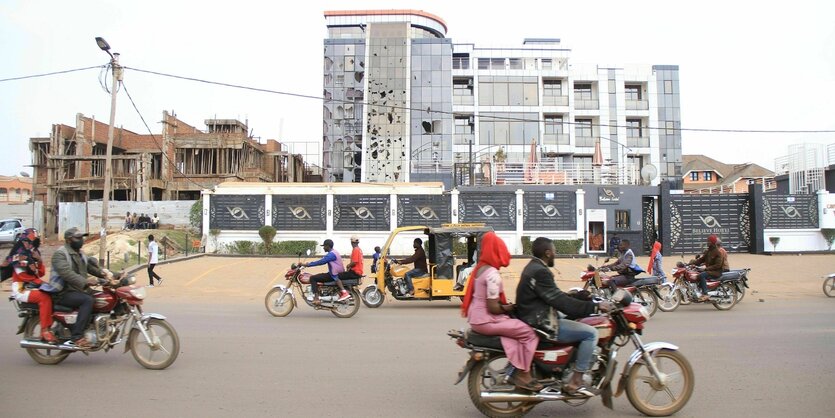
pixel 267 233
pixel 829 236
pixel 774 242
pixel 214 232
pixel 195 216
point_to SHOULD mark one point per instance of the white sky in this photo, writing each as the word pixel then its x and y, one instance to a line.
pixel 743 65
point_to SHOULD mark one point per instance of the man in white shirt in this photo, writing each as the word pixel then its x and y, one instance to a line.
pixel 153 259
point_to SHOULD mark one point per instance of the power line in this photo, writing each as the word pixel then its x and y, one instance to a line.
pixel 49 74
pixel 483 116
pixel 164 154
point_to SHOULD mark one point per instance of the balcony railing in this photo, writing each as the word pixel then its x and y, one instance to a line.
pixel 555 139
pixel 546 172
pixel 586 104
pixel 585 141
pixel 637 105
pixel 556 101
pixel 460 63
pixel 637 142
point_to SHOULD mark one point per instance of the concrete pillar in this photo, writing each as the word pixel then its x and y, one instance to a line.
pixel 453 204
pixel 329 216
pixel 520 221
pixel 392 210
pixel 268 209
pixel 580 195
pixel 210 241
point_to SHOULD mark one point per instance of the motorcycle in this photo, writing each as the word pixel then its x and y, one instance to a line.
pixel 829 285
pixel 281 300
pixel 723 292
pixel 645 290
pixel 117 317
pixel 658 379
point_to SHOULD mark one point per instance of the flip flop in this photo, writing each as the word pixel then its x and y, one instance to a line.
pixel 582 390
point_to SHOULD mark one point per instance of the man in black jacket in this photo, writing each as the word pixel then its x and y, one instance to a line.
pixel 538 293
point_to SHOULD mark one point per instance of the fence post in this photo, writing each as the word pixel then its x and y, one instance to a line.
pixel 188 243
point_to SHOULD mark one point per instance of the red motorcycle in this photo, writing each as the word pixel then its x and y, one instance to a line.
pixel 724 292
pixel 657 378
pixel 117 317
pixel 645 290
pixel 280 300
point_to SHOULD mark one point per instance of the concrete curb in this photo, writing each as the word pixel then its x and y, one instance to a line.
pixel 136 268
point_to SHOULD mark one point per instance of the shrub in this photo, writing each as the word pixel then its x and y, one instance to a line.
pixel 562 246
pixel 195 216
pixel 241 247
pixel 267 233
pixel 293 247
pixel 829 236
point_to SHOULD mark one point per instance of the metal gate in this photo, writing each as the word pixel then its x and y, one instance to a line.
pixel 649 232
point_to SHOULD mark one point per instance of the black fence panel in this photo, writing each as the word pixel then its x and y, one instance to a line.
pixel 782 211
pixel 497 210
pixel 299 212
pixel 550 211
pixel 428 210
pixel 236 212
pixel 361 213
pixel 694 217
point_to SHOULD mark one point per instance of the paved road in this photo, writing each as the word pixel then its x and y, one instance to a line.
pixel 765 359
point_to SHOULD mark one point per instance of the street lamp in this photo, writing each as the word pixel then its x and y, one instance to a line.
pixel 117 77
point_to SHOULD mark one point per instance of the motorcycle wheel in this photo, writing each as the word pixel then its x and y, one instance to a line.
pixel 32 331
pixel 648 299
pixel 829 287
pixel 670 298
pixel 727 297
pixel 347 308
pixel 642 388
pixel 164 347
pixel 373 297
pixel 279 303
pixel 488 375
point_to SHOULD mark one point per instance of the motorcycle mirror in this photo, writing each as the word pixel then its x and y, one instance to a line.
pixel 680 264
pixel 590 268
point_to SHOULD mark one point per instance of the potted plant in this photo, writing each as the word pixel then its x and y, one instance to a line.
pixel 499 157
pixel 774 241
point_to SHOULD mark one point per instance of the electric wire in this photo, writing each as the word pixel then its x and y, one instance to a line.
pixel 481 116
pixel 164 154
pixel 49 74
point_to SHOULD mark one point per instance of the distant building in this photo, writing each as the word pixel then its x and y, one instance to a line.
pixel 174 165
pixel 15 189
pixel 404 103
pixel 702 174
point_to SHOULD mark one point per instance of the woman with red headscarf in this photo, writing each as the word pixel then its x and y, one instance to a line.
pixel 656 260
pixel 486 308
pixel 28 272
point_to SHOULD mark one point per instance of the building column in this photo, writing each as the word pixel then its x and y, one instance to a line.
pixel 453 205
pixel 329 211
pixel 210 241
pixel 268 209
pixel 392 210
pixel 580 195
pixel 520 221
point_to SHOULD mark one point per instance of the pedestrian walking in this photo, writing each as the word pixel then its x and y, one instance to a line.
pixel 153 259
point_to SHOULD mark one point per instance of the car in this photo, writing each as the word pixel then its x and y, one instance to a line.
pixel 10 229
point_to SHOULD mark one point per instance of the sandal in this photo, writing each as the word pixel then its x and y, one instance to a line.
pixel 49 337
pixel 531 385
pixel 317 302
pixel 582 390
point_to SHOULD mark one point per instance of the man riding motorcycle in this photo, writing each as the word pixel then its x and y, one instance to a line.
pixel 537 294
pixel 715 260
pixel 625 266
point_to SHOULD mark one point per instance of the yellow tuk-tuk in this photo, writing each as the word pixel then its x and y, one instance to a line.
pixel 446 278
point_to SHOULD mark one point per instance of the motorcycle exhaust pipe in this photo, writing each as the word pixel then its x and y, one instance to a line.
pixel 521 397
pixel 40 345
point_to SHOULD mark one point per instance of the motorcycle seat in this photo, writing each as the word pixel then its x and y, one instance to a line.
pixel 647 281
pixel 732 275
pixel 494 341
pixel 55 308
pixel 352 282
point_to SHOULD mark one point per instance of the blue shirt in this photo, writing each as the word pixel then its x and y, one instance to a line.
pixel 330 259
pixel 375 258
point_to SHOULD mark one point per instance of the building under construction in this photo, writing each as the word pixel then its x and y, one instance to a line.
pixel 174 165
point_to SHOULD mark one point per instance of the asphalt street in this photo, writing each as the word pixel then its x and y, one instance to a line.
pixel 761 359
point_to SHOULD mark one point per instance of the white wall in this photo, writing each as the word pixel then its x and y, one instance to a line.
pixel 23 211
pixel 795 240
pixel 87 215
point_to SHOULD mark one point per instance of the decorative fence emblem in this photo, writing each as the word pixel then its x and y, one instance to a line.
pixel 299 212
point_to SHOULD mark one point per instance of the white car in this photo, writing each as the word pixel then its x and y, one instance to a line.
pixel 10 229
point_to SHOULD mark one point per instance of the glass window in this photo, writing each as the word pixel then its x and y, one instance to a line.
pixel 497 63
pixel 483 63
pixel 708 176
pixel 553 124
pixel 633 92
pixel 670 127
pixel 500 94
pixel 552 88
pixel 582 91
pixel 462 125
pixel 668 87
pixel 516 94
pixel 621 219
pixel 485 94
pixel 694 176
pixel 547 64
pixel 634 128
pixel 583 128
pixel 515 63
pixel 531 94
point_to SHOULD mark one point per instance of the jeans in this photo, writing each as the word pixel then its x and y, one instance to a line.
pixel 703 276
pixel 410 275
pixel 84 304
pixel 319 278
pixel 620 281
pixel 572 332
pixel 152 275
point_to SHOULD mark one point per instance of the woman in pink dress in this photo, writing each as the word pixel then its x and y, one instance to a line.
pixel 486 308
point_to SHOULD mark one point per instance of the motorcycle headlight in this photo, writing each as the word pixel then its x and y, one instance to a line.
pixel 138 292
pixel 644 313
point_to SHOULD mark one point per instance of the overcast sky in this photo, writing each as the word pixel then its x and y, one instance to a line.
pixel 743 65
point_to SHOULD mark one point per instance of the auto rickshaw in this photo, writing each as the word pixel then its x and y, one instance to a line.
pixel 447 276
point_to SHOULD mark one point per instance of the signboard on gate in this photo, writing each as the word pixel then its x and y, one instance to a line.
pixel 694 217
pixel 428 210
pixel 361 213
pixel 497 210
pixel 550 211
pixel 790 211
pixel 299 212
pixel 236 212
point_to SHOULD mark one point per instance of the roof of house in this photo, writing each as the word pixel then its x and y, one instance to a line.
pixel 728 173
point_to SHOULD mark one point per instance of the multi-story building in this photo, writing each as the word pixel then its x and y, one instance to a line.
pixel 404 103
pixel 15 189
pixel 176 164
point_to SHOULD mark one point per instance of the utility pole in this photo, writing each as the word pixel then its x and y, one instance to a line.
pixel 117 77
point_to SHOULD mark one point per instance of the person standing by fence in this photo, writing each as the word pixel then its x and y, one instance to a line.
pixel 153 259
